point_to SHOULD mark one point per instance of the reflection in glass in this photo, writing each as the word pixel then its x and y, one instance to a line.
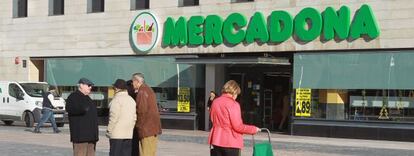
pixel 363 104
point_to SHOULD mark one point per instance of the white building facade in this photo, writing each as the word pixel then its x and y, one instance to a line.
pixel 42 45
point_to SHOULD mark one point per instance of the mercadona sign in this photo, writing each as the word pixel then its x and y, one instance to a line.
pixel 307 25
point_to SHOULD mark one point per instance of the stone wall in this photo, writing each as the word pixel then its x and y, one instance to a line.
pixel 78 33
pixel 9 71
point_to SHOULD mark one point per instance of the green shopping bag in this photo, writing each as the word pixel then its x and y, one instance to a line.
pixel 263 148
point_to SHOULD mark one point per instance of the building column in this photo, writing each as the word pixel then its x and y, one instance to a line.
pixel 214 81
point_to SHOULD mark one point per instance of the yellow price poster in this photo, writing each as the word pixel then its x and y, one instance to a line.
pixel 303 102
pixel 111 92
pixel 183 104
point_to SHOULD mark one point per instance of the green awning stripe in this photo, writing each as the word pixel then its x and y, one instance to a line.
pixel 103 71
pixel 354 70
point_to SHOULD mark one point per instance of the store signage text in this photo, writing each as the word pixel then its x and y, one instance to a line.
pixel 307 25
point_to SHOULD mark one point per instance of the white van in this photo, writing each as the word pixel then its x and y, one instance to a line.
pixel 22 101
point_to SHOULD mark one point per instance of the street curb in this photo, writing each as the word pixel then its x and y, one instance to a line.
pixel 200 139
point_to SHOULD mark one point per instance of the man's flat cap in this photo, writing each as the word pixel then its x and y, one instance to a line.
pixel 85 81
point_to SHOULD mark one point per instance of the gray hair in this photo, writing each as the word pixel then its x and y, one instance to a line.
pixel 139 77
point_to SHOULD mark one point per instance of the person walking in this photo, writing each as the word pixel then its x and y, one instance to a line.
pixel 148 122
pixel 122 117
pixel 83 119
pixel 47 111
pixel 226 136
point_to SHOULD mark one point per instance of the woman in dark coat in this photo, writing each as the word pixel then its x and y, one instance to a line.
pixel 210 99
pixel 213 96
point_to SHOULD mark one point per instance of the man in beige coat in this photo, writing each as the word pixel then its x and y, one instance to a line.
pixel 122 117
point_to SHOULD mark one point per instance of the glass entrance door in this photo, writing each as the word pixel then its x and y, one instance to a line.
pixel 265 93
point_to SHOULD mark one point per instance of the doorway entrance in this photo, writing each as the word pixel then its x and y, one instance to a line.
pixel 264 82
pixel 266 89
pixel 37 70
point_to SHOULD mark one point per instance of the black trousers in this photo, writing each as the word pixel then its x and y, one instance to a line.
pixel 224 151
pixel 135 144
pixel 120 147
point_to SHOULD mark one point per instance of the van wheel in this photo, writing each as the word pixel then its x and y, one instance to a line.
pixel 8 123
pixel 60 124
pixel 29 119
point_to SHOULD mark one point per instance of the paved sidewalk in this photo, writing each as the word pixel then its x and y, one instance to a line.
pixel 19 141
pixel 284 144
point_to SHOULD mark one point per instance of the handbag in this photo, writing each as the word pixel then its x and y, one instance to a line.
pixel 263 148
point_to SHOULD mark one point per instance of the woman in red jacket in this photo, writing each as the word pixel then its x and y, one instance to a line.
pixel 226 136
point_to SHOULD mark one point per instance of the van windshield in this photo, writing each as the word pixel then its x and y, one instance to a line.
pixel 35 89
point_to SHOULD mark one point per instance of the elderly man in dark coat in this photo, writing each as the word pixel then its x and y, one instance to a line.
pixel 83 119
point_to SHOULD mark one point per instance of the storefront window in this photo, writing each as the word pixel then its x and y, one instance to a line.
pixel 394 105
pixel 161 73
pixel 358 86
pixel 362 104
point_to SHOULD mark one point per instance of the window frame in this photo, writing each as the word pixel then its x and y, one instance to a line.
pixel 53 8
pixel 91 6
pixel 181 3
pixel 20 10
pixel 242 1
pixel 135 7
pixel 15 89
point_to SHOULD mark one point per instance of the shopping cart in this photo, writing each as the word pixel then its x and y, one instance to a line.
pixel 263 148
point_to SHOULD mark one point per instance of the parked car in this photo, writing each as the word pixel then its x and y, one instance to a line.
pixel 22 101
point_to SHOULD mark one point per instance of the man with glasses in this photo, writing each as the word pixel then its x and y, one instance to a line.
pixel 83 119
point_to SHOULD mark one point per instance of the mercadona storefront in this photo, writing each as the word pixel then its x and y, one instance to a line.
pixel 323 68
